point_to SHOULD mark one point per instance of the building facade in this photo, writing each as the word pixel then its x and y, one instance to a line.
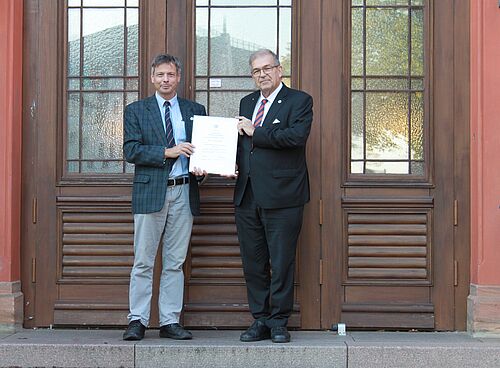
pixel 403 225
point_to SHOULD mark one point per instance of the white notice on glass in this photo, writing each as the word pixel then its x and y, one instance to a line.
pixel 215 140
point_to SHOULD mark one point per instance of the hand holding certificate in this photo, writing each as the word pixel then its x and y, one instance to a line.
pixel 215 140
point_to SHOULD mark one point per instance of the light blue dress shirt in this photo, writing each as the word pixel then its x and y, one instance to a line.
pixel 180 167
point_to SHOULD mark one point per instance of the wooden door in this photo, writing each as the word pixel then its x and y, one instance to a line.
pixel 392 245
pixel 89 59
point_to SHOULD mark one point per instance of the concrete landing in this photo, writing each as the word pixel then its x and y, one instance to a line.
pixel 105 348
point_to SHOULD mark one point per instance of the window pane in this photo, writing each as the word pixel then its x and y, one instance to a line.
pixel 386 2
pixel 74 42
pixel 357 42
pixel 132 42
pixel 103 32
pixel 244 2
pixel 285 41
pixel 201 41
pixel 98 89
pixel 387 126
pixel 417 126
pixel 102 126
pixel 234 37
pixel 387 84
pixel 386 167
pixel 417 42
pixel 225 103
pixel 73 133
pixel 386 41
pixel 357 129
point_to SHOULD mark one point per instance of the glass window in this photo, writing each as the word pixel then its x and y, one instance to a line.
pixel 226 35
pixel 387 87
pixel 102 77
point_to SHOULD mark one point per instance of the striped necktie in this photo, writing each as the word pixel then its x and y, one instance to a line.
pixel 260 114
pixel 169 129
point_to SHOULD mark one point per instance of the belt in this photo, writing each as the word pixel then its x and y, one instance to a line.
pixel 178 181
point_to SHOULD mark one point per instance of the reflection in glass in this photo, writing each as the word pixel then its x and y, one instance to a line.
pixel 357 167
pixel 201 41
pixel 357 130
pixel 244 2
pixel 225 103
pixel 102 167
pixel 73 166
pixel 132 84
pixel 387 126
pixel 386 2
pixel 73 84
pixel 374 167
pixel 357 42
pixel 285 44
pixel 98 3
pixel 417 168
pixel 417 42
pixel 102 125
pixel 417 126
pixel 103 42
pixel 73 133
pixel 233 37
pixel 132 42
pixel 387 84
pixel 202 98
pixel 103 83
pixel 73 41
pixel 386 41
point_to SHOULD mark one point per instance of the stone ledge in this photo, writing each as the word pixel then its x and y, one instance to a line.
pixel 11 306
pixel 483 310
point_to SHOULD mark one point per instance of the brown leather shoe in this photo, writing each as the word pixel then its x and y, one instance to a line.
pixel 135 331
pixel 256 332
pixel 175 331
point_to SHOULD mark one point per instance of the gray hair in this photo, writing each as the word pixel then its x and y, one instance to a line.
pixel 166 59
pixel 263 52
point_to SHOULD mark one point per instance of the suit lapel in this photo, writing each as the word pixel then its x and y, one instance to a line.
pixel 249 107
pixel 156 120
pixel 276 106
pixel 187 114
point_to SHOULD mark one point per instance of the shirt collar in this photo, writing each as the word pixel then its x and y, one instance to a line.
pixel 173 101
pixel 272 96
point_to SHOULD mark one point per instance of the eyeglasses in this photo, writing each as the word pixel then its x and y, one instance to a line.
pixel 267 70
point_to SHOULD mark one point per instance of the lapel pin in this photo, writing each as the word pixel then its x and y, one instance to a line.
pixel 191 118
pixel 279 101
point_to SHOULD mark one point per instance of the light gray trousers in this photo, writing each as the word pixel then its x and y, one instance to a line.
pixel 174 222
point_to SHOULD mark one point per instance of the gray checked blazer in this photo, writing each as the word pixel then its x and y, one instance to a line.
pixel 144 144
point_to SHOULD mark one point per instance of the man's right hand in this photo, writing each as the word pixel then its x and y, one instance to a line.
pixel 185 149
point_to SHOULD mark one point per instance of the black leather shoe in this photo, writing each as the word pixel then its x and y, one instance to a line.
pixel 256 332
pixel 175 331
pixel 280 335
pixel 135 331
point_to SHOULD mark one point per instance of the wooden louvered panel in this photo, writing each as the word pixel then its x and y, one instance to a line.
pixel 387 246
pixel 215 251
pixel 387 251
pixel 96 245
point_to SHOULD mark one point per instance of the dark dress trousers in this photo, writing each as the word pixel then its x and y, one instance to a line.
pixel 144 145
pixel 271 190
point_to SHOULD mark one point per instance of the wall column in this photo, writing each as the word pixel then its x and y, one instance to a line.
pixel 483 307
pixel 11 66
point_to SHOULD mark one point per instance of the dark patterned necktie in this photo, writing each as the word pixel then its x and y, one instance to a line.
pixel 169 129
pixel 260 114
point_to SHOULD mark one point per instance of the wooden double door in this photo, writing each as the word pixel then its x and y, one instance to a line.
pixel 384 242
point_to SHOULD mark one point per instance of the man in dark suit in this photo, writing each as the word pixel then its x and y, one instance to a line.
pixel 157 132
pixel 271 190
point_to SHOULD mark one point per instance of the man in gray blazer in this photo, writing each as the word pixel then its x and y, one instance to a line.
pixel 157 135
pixel 270 194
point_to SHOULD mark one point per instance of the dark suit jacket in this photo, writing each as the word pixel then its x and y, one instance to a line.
pixel 144 144
pixel 275 157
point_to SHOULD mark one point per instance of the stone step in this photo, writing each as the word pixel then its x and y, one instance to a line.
pixel 105 348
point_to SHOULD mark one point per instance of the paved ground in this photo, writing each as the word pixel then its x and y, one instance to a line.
pixel 105 348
